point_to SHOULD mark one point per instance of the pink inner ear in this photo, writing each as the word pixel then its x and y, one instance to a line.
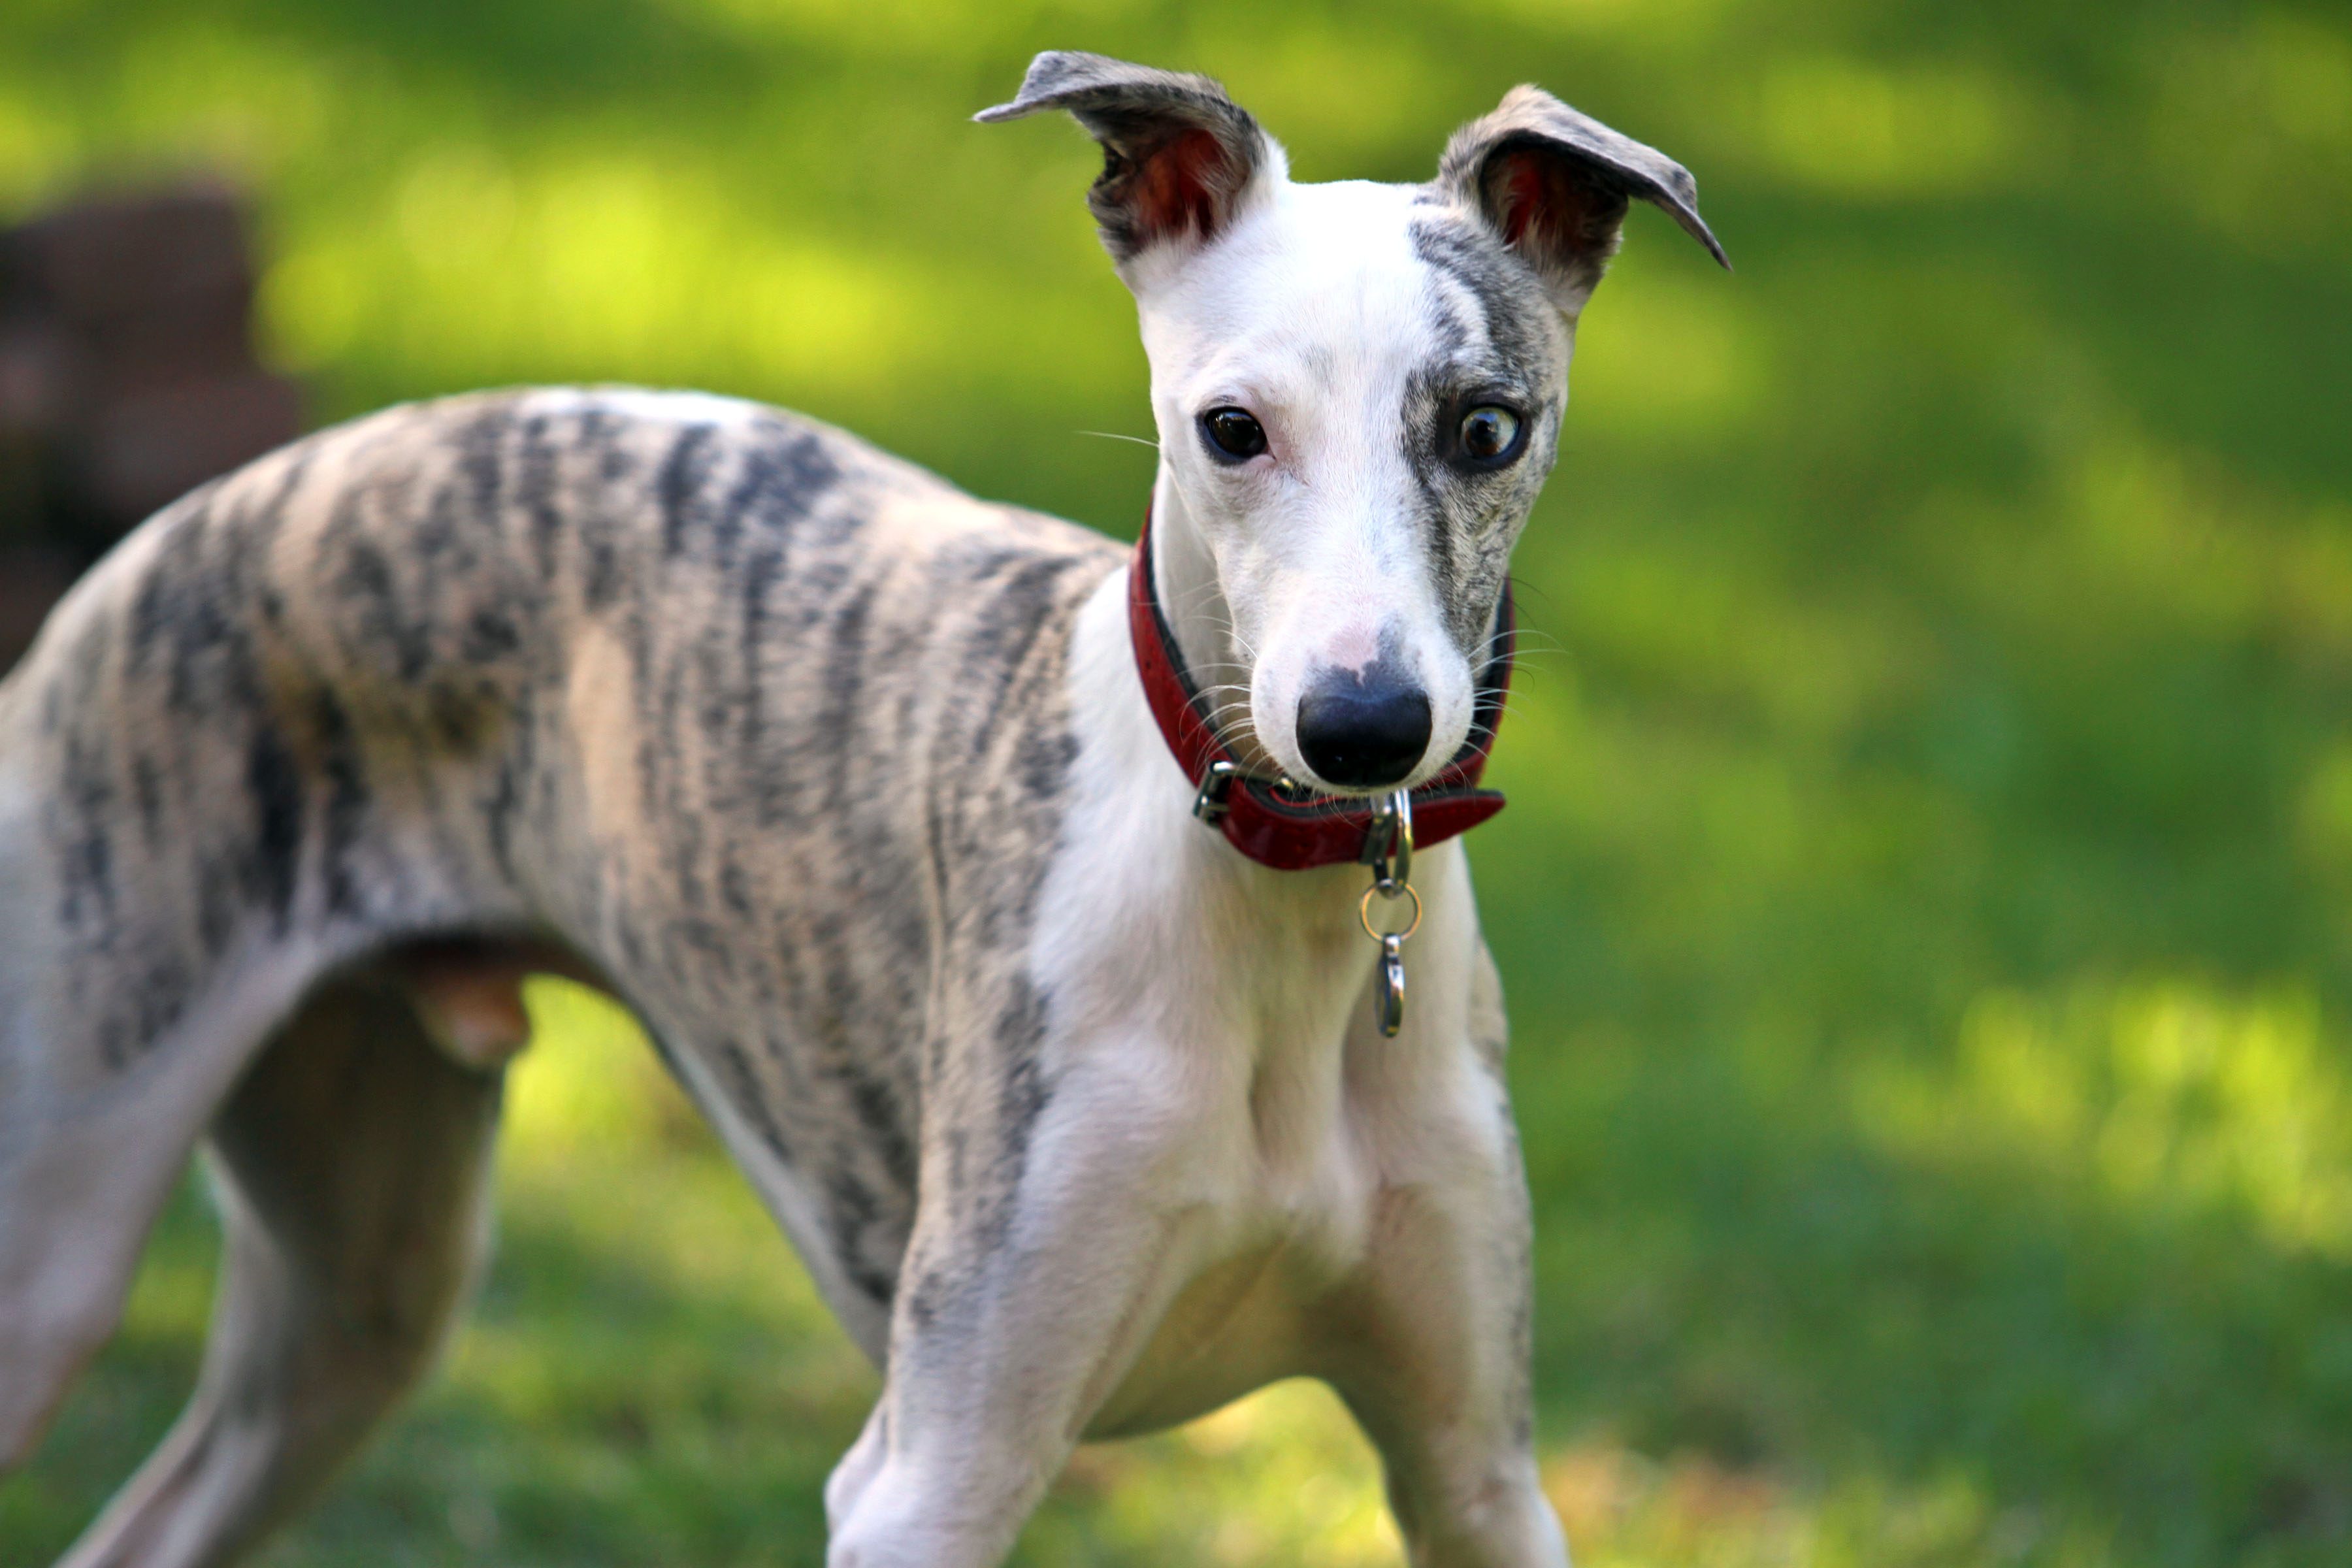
pixel 1543 209
pixel 1184 186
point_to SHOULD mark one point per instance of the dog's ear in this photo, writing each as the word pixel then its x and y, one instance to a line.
pixel 1554 186
pixel 1180 158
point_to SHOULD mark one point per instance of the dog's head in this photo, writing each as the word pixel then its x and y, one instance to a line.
pixel 1358 388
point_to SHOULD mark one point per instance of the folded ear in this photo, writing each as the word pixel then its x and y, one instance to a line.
pixel 1554 186
pixel 1180 158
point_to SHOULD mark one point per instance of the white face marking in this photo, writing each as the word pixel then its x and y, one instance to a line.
pixel 1314 314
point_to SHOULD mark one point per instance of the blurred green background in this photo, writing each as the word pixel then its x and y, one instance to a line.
pixel 1927 902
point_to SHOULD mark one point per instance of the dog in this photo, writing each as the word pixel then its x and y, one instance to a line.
pixel 1033 923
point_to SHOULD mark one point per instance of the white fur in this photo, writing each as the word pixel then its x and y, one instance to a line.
pixel 1310 313
pixel 1228 1153
pixel 683 407
pixel 1237 1178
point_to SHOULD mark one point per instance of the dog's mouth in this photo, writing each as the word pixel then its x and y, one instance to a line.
pixel 1309 791
pixel 1360 768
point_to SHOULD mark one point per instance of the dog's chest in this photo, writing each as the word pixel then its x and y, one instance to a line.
pixel 1265 1191
pixel 1232 1002
pixel 1207 1021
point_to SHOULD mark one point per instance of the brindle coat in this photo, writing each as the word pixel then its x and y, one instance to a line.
pixel 842 779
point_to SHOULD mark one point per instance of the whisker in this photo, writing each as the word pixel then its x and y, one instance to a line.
pixel 1523 589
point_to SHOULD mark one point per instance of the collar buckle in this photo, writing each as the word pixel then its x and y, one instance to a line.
pixel 1214 798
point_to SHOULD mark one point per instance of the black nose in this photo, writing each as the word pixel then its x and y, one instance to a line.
pixel 1363 728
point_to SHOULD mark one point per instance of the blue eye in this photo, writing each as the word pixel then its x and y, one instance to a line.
pixel 1489 434
pixel 1234 434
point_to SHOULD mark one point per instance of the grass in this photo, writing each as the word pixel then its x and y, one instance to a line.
pixel 1927 901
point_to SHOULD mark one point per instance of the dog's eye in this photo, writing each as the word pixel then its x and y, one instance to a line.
pixel 1234 433
pixel 1489 432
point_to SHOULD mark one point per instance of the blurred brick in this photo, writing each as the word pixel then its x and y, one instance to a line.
pixel 170 252
pixel 36 381
pixel 148 448
pixel 32 578
pixel 127 378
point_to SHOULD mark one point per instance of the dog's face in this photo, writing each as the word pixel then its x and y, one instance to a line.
pixel 1358 389
pixel 1359 394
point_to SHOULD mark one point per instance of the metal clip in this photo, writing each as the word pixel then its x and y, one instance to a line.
pixel 1388 986
pixel 1388 844
pixel 1210 805
pixel 1388 989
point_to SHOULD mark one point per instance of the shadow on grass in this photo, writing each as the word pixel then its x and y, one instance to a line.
pixel 1756 1274
pixel 1871 1309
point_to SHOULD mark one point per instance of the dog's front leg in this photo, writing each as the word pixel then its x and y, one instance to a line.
pixel 1430 1344
pixel 1036 1273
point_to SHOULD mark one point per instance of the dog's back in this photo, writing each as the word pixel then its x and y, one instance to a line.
pixel 363 686
pixel 691 685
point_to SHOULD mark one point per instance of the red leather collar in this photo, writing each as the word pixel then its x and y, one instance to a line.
pixel 1266 822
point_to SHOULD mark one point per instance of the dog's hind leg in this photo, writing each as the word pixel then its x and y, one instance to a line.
pixel 88 1152
pixel 351 1164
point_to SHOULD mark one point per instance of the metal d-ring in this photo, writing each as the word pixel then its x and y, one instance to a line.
pixel 1364 912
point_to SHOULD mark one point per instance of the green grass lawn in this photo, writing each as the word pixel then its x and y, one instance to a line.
pixel 1926 899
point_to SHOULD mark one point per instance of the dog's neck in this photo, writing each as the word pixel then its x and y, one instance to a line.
pixel 1184 570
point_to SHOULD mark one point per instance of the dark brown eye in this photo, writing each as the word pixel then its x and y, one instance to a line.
pixel 1232 434
pixel 1489 432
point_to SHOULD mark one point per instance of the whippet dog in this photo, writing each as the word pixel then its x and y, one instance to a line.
pixel 1029 919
